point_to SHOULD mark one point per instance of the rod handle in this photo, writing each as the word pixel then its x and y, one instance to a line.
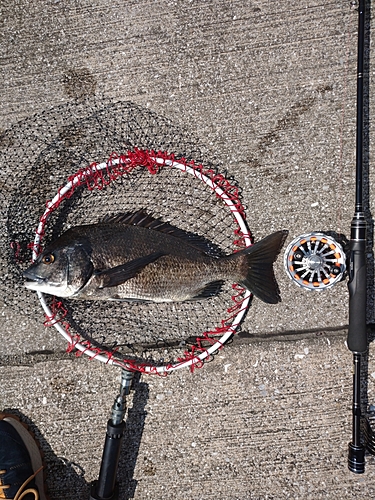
pixel 106 487
pixel 357 333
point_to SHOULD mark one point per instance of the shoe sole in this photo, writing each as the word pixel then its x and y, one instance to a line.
pixel 33 447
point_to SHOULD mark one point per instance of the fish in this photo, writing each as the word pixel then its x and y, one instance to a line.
pixel 137 257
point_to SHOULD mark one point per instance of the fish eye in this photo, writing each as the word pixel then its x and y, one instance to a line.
pixel 48 259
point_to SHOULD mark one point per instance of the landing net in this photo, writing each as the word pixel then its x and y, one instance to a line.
pixel 98 177
pixel 195 197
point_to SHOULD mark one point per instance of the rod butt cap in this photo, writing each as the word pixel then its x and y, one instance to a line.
pixel 356 459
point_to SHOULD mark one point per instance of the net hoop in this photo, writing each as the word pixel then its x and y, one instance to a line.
pixel 117 166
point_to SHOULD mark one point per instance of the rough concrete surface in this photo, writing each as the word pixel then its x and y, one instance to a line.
pixel 264 91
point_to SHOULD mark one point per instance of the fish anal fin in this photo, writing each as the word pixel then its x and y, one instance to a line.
pixel 210 290
pixel 117 275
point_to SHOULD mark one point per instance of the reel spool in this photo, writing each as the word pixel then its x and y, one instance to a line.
pixel 315 261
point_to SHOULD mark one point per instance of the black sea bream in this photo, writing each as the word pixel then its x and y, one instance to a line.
pixel 138 257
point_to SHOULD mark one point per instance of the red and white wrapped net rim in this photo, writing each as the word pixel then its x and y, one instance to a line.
pixel 97 176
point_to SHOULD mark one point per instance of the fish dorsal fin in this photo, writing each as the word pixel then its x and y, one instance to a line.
pixel 142 219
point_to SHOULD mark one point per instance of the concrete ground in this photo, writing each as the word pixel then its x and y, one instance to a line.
pixel 266 92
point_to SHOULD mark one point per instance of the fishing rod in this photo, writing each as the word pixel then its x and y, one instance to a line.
pixel 357 332
pixel 317 261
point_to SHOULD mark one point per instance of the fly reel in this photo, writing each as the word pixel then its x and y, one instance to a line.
pixel 315 261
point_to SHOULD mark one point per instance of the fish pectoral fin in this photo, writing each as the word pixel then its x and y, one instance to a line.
pixel 210 290
pixel 119 274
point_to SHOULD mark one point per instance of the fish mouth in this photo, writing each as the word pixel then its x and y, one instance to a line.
pixel 44 285
pixel 32 281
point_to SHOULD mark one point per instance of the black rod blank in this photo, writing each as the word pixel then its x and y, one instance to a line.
pixel 359 142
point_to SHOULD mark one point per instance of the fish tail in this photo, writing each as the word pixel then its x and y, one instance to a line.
pixel 257 267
